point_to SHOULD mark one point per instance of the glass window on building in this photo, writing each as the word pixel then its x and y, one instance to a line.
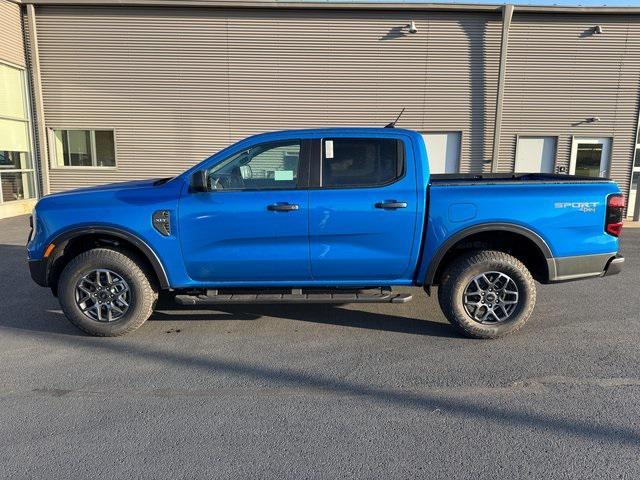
pixel 84 148
pixel 632 206
pixel 17 180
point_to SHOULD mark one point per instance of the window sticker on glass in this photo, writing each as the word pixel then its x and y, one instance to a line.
pixel 283 175
pixel 328 149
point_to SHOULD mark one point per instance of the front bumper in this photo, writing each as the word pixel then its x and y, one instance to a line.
pixel 565 269
pixel 39 271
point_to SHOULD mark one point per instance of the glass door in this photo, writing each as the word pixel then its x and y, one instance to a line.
pixel 633 210
pixel 16 168
pixel 590 157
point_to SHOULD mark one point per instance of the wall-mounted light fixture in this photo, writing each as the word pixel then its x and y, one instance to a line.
pixel 412 27
pixel 598 30
pixel 593 119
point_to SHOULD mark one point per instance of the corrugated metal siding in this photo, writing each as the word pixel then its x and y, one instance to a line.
pixel 180 84
pixel 559 74
pixel 11 42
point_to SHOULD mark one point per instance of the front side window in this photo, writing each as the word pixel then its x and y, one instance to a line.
pixel 265 166
pixel 84 148
pixel 361 162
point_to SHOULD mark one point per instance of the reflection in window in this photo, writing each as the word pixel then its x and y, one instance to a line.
pixel 588 159
pixel 15 160
pixel 84 148
pixel 16 186
pixel 16 169
pixel 360 161
pixel 264 166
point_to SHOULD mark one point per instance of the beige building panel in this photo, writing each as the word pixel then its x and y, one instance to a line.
pixel 559 73
pixel 11 40
pixel 179 84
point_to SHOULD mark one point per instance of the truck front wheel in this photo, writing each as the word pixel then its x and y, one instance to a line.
pixel 487 293
pixel 106 292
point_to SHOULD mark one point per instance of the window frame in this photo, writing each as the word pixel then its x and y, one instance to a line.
pixel 318 156
pixel 303 167
pixel 53 156
pixel 607 147
pixel 633 211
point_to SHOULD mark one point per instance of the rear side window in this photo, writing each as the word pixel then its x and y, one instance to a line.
pixel 361 162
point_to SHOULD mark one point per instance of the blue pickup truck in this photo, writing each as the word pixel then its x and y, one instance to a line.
pixel 323 216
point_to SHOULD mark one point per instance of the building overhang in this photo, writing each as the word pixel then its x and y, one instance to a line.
pixel 356 5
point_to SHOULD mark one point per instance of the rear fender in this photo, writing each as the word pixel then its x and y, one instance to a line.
pixel 436 260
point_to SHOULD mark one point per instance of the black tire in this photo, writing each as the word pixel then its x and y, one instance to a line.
pixel 143 293
pixel 461 272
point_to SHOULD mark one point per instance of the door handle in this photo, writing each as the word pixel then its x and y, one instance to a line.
pixel 282 207
pixel 391 205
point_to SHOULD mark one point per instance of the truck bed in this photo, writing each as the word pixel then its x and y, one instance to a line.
pixel 506 178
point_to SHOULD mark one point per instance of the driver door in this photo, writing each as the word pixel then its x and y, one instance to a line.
pixel 251 228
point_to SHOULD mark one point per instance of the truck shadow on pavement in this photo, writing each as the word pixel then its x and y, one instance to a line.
pixel 26 306
pixel 315 313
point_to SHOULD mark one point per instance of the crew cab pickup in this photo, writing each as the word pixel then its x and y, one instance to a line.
pixel 338 215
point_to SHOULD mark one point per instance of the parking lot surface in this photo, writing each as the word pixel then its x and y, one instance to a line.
pixel 356 391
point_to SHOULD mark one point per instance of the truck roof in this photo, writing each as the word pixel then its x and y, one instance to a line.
pixel 334 131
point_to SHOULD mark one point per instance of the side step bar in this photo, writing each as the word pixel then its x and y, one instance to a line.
pixel 296 295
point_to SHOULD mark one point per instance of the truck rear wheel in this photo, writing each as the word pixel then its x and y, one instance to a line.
pixel 487 294
pixel 106 292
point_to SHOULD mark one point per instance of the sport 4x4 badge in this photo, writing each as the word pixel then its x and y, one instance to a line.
pixel 585 207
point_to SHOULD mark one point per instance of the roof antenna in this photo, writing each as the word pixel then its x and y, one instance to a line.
pixel 393 124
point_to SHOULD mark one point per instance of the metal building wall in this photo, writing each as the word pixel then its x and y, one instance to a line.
pixel 11 41
pixel 559 73
pixel 179 84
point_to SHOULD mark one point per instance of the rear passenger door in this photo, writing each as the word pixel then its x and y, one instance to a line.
pixel 363 209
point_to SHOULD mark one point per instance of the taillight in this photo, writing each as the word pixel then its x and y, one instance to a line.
pixel 615 208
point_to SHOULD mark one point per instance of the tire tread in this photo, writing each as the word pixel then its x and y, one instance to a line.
pixel 129 262
pixel 456 269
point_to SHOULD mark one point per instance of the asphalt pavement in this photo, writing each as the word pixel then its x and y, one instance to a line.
pixel 355 391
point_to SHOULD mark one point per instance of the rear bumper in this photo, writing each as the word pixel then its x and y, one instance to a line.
pixel 614 267
pixel 38 270
pixel 565 269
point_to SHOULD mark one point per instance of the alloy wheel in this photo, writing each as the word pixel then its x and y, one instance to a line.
pixel 491 297
pixel 103 295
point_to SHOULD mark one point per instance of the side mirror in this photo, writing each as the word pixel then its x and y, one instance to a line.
pixel 200 181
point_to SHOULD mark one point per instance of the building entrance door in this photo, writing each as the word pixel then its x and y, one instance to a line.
pixel 590 157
